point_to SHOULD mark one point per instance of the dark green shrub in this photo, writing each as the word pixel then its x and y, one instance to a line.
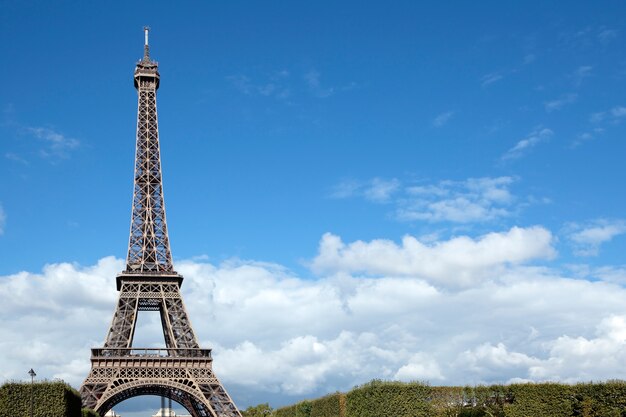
pixel 389 399
pixel 289 411
pixel 545 400
pixel 448 401
pixel 606 399
pixel 88 412
pixel 260 410
pixel 301 409
pixel 50 399
pixel 492 399
pixel 333 405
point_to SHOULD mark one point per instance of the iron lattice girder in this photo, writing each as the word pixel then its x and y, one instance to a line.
pixel 158 294
pixel 182 371
pixel 184 375
pixel 148 248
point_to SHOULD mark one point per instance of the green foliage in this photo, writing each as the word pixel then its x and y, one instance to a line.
pixel 260 410
pixel 289 411
pixel 49 399
pixel 547 400
pixel 88 412
pixel 397 399
pixel 389 399
pixel 491 400
pixel 448 401
pixel 607 399
pixel 332 405
pixel 301 409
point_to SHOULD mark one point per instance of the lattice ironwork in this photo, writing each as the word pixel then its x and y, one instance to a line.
pixel 182 371
pixel 148 247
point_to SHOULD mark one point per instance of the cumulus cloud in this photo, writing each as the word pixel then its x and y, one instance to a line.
pixel 575 358
pixel 49 318
pixel 489 360
pixel 523 146
pixel 276 334
pixel 587 238
pixel 420 367
pixel 473 260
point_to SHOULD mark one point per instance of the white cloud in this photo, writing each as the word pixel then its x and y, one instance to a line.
pixel 473 260
pixel 582 138
pixel 3 219
pixel 381 190
pixel 523 146
pixel 472 200
pixel 576 358
pixel 57 145
pixel 274 85
pixel 615 115
pixel 587 238
pixel 560 102
pixel 491 359
pixel 279 334
pixel 618 112
pixel 614 274
pixel 490 78
pixel 442 119
pixel 606 35
pixel 15 157
pixel 312 79
pixel 581 73
pixel 421 367
pixel 377 190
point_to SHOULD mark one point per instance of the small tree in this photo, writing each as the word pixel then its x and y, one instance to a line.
pixel 260 410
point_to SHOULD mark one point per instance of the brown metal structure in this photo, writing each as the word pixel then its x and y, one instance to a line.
pixel 182 371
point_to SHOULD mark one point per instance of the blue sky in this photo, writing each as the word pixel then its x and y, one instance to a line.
pixel 457 146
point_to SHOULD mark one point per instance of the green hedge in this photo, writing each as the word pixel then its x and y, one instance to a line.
pixel 333 405
pixel 301 409
pixel 50 399
pixel 492 399
pixel 88 412
pixel 449 401
pixel 389 399
pixel 607 399
pixel 397 399
pixel 546 400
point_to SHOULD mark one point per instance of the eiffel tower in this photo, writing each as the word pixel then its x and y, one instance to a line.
pixel 182 371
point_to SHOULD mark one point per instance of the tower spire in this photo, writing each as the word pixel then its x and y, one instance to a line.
pixel 148 248
pixel 146 48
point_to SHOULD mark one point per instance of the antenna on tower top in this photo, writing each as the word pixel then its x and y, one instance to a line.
pixel 146 48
